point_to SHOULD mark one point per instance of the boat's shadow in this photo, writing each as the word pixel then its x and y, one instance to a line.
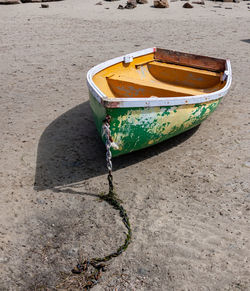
pixel 70 151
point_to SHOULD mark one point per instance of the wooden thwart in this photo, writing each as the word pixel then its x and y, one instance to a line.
pixel 195 61
pixel 124 86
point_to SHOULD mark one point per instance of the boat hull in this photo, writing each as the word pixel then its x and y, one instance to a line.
pixel 155 94
pixel 136 128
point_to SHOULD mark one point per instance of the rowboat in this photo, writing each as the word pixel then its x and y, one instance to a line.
pixel 154 94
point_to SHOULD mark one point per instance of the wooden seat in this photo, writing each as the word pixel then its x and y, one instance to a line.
pixel 183 76
pixel 124 86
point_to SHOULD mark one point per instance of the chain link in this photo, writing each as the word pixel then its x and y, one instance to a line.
pixel 108 144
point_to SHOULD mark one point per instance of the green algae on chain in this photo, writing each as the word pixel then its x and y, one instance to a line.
pixel 114 201
pixel 97 263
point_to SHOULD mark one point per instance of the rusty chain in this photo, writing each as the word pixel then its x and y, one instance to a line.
pixel 98 264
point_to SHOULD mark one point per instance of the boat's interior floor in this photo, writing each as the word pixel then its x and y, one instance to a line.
pixel 151 78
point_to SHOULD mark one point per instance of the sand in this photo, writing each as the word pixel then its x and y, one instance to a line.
pixel 187 198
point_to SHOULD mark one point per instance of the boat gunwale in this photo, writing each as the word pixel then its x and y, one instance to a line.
pixel 151 101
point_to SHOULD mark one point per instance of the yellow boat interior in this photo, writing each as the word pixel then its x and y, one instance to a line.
pixel 162 74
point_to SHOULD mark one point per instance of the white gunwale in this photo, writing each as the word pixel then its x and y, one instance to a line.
pixel 152 101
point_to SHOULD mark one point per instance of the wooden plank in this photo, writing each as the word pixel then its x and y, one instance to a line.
pixel 148 89
pixel 195 61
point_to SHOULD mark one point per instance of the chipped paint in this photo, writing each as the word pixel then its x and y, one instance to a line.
pixel 136 128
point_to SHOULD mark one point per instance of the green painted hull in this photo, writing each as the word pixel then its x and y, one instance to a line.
pixel 137 128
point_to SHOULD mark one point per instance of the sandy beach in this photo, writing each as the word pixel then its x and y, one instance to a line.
pixel 188 199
